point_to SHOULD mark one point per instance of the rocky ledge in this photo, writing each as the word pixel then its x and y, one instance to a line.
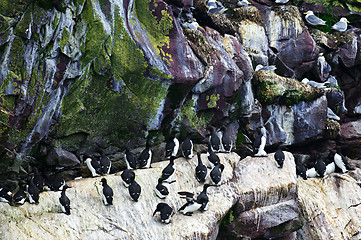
pixel 255 199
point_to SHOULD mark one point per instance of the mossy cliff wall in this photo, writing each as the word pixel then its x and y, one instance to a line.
pixel 73 69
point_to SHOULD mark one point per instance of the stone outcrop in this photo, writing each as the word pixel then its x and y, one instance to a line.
pixel 255 187
pixel 331 207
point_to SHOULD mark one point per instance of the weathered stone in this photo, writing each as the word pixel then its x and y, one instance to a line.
pixel 252 33
pixel 331 207
pixel 270 88
pixel 61 158
pixel 268 196
pixel 302 122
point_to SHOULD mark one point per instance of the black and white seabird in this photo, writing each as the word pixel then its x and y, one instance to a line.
pixel 320 167
pixel 212 157
pixel 130 159
pixel 279 157
pixel 105 163
pixel 201 170
pixel 216 174
pixel 214 140
pixel 160 190
pixel 145 157
pixel 38 180
pixel 340 160
pixel 107 193
pixel 5 195
pixel 134 190
pixel 260 142
pixel 192 205
pixel 92 164
pixel 330 168
pixel 226 140
pixel 32 192
pixel 20 196
pixel 166 212
pixel 168 173
pixel 127 176
pixel 187 147
pixel 55 182
pixel 301 170
pixel 64 201
pixel 172 146
pixel 311 172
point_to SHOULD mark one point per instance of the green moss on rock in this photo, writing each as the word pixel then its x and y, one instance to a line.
pixel 271 88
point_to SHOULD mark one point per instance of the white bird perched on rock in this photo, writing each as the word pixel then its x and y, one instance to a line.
pixel 341 25
pixel 313 83
pixel 260 67
pixel 313 20
pixel 243 3
pixel 215 7
pixel 281 1
pixel 191 25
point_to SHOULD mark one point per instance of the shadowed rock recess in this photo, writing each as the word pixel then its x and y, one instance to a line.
pixel 91 77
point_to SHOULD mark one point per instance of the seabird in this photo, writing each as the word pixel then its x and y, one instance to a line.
pixel 214 139
pixel 260 142
pixel 64 201
pixel 20 196
pixel 201 170
pixel 105 163
pixel 107 193
pixel 341 25
pixel 160 190
pixel 314 83
pixel 313 20
pixel 340 160
pixel 166 212
pixel 311 173
pixel 216 174
pixel 92 164
pixel 55 182
pixel 260 67
pixel 192 205
pixel 187 147
pixel 214 8
pixel 5 195
pixel 172 146
pixel 226 140
pixel 281 1
pixel 134 190
pixel 127 176
pixel 38 180
pixel 145 157
pixel 212 157
pixel 301 170
pixel 168 171
pixel 242 3
pixel 130 159
pixel 32 192
pixel 279 157
pixel 320 167
pixel 330 168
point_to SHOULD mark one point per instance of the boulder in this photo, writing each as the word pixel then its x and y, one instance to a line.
pixel 241 185
pixel 61 158
pixel 331 206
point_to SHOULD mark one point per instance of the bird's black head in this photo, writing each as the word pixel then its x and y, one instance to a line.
pixel 66 187
pixel 198 154
pixel 103 181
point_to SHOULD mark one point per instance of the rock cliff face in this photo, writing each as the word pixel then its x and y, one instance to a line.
pixel 81 76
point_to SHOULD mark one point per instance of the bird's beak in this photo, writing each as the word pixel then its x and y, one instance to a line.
pixel 348 21
pixel 305 13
